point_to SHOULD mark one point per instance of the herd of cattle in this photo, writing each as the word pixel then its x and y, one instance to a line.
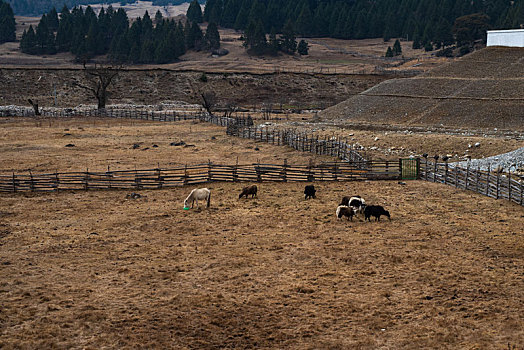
pixel 348 207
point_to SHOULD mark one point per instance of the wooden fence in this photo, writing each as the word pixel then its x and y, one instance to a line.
pixel 354 165
pixel 301 141
pixel 236 126
pixel 198 174
pixel 492 184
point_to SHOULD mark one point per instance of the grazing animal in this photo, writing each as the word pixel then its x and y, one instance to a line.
pixel 356 202
pixel 344 210
pixel 196 195
pixel 252 190
pixel 309 191
pixel 376 211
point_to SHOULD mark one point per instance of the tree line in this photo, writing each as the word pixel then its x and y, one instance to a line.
pixel 423 21
pixel 39 7
pixel 145 40
pixel 254 38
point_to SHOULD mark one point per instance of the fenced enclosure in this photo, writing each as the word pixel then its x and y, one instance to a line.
pixel 496 185
pixel 354 164
pixel 199 174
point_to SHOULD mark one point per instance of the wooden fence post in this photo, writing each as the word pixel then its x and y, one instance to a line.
pixel 477 179
pixel 159 177
pixel 284 171
pixel 209 174
pixel 467 176
pixel 435 172
pixel 487 181
pixel 235 172
pixel 259 175
pixel 509 184
pixel 32 183
pixel 498 183
pixel 310 176
pixel 109 176
pixel 185 175
pixel 426 167
pixel 57 181
pixel 521 191
pixel 86 179
pixel 456 168
pixel 137 180
pixel 14 182
pixel 446 173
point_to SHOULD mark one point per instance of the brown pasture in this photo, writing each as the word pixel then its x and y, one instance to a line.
pixel 94 269
pixel 97 270
pixel 39 145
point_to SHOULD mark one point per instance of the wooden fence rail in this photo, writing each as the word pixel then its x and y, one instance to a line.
pixel 198 174
pixel 492 184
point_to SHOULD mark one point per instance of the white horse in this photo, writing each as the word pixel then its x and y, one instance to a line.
pixel 196 195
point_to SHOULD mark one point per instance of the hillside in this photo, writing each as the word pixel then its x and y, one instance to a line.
pixel 481 90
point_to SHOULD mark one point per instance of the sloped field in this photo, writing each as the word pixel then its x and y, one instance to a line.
pixel 481 90
pixel 492 62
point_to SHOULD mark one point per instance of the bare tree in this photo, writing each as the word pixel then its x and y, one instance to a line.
pixel 208 101
pixel 35 106
pixel 98 80
pixel 230 109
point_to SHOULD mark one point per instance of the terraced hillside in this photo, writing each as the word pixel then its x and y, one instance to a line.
pixel 482 90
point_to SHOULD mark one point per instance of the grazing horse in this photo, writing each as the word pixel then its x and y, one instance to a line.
pixel 249 190
pixel 196 195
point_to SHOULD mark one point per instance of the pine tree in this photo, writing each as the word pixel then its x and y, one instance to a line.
pixel 28 42
pixel 242 18
pixel 397 49
pixel 212 37
pixel 288 39
pixel 194 37
pixel 52 20
pixel 158 18
pixel 303 48
pixel 259 43
pixel 389 52
pixel 210 5
pixel 274 43
pixel 7 23
pixel 194 12
pixel 305 21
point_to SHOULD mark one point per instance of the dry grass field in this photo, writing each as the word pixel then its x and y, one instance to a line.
pixel 95 270
pixel 325 55
pixel 92 270
pixel 39 145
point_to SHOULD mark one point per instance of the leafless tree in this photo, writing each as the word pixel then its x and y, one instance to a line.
pixel 98 80
pixel 230 109
pixel 35 106
pixel 208 101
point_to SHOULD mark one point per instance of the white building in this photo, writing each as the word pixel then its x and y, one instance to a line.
pixel 512 38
